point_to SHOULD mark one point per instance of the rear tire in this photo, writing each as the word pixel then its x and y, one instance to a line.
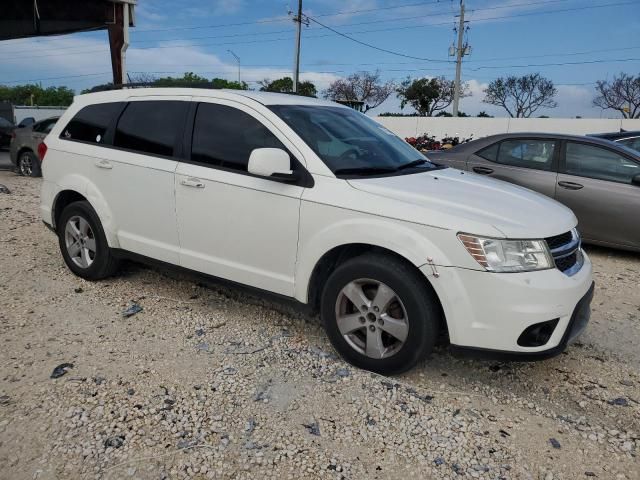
pixel 29 165
pixel 379 313
pixel 83 243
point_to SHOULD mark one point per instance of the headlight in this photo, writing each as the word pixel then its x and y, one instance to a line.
pixel 498 255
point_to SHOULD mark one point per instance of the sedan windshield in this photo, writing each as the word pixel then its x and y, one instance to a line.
pixel 350 143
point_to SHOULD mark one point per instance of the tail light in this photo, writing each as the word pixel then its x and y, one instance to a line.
pixel 13 134
pixel 42 150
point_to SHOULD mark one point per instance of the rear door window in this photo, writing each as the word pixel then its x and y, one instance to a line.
pixel 91 123
pixel 151 126
pixel 601 163
pixel 225 137
pixel 527 153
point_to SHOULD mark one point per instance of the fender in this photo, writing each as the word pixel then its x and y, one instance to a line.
pixel 87 189
pixel 405 239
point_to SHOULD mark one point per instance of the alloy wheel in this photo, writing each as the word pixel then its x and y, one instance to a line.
pixel 80 241
pixel 372 318
pixel 26 165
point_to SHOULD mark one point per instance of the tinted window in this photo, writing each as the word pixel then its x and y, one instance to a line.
pixel 151 126
pixel 596 162
pixel 527 153
pixel 225 137
pixel 490 153
pixel 5 123
pixel 91 123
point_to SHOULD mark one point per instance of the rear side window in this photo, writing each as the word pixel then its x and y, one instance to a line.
pixel 490 153
pixel 151 127
pixel 225 137
pixel 527 153
pixel 91 123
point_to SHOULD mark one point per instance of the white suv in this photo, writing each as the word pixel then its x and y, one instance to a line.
pixel 312 200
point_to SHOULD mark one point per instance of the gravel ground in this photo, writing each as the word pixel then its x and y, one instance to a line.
pixel 210 382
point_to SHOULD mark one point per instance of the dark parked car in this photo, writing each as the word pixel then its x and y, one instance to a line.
pixel 628 139
pixel 6 129
pixel 598 179
pixel 24 146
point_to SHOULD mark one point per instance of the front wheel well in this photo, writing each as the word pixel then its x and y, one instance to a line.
pixel 63 199
pixel 334 257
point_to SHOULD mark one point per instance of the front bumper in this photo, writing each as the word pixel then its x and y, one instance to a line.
pixel 487 312
pixel 577 324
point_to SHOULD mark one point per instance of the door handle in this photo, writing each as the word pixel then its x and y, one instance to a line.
pixel 570 185
pixel 483 170
pixel 192 182
pixel 104 164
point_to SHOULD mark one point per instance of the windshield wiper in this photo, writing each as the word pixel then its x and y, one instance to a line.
pixel 415 163
pixel 363 171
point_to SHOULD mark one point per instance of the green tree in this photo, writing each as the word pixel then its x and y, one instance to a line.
pixel 188 80
pixel 427 95
pixel 285 85
pixel 33 94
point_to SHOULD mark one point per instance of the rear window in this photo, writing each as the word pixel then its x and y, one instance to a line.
pixel 91 123
pixel 151 127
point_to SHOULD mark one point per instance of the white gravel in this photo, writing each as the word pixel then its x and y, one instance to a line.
pixel 209 382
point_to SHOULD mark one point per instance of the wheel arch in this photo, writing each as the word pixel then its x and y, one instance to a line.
pixel 73 194
pixel 340 253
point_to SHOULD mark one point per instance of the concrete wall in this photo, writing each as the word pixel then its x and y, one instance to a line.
pixel 481 127
pixel 39 113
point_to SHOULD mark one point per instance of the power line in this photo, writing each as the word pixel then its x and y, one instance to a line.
pixel 559 64
pixel 373 46
pixel 340 33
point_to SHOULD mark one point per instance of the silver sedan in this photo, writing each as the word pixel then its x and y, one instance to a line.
pixel 598 179
pixel 24 146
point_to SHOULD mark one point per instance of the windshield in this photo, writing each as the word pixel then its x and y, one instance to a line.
pixel 351 143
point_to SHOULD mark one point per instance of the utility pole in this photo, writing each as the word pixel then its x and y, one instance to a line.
pixel 237 60
pixel 296 67
pixel 460 51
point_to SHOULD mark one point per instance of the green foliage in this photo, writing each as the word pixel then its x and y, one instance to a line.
pixel 36 95
pixel 447 114
pixel 188 80
pixel 285 85
pixel 427 95
pixel 484 114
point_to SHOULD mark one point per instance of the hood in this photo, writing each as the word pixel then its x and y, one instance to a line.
pixel 465 201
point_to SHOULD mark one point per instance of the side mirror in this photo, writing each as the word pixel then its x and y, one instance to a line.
pixel 271 162
pixel 636 180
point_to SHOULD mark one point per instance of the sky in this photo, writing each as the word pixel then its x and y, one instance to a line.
pixel 572 42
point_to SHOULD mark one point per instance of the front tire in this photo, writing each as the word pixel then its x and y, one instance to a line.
pixel 380 314
pixel 83 243
pixel 29 165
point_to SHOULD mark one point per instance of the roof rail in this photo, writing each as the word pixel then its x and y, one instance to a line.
pixel 123 86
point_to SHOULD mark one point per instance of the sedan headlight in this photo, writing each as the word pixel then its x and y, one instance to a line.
pixel 497 255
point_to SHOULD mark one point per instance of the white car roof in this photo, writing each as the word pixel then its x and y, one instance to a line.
pixel 265 98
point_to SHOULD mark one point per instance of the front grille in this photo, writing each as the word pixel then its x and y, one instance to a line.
pixel 565 249
pixel 565 263
pixel 559 240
